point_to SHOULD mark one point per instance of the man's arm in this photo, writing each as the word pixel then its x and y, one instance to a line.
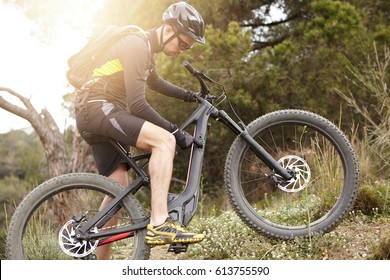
pixel 156 83
pixel 135 61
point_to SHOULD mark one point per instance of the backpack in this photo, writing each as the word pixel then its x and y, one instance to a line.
pixel 83 62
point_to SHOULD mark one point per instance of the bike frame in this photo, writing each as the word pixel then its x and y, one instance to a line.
pixel 182 207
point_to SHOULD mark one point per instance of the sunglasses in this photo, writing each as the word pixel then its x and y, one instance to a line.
pixel 182 45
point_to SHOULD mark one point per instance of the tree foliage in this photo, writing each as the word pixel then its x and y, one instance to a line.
pixel 22 156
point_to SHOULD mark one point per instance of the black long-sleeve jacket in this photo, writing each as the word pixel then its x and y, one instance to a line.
pixel 126 69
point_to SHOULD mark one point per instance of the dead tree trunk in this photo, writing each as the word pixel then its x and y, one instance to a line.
pixel 55 149
pixel 47 130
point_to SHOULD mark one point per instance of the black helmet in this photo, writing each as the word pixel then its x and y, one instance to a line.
pixel 186 19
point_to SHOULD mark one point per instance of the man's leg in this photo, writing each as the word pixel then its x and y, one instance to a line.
pixel 161 144
pixel 119 175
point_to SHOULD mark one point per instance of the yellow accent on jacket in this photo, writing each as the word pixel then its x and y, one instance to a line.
pixel 108 68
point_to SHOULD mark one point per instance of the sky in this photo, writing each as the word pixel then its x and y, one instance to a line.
pixel 36 69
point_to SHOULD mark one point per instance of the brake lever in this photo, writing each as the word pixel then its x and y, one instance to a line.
pixel 204 77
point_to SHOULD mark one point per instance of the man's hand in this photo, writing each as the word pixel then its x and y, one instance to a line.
pixel 183 138
pixel 191 96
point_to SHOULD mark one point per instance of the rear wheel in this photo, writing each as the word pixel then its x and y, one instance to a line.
pixel 325 170
pixel 42 226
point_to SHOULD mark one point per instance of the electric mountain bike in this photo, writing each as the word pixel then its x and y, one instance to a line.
pixel 288 173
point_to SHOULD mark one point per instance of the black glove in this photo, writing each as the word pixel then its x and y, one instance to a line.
pixel 183 138
pixel 191 96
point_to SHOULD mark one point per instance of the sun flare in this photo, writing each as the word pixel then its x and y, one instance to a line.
pixel 40 37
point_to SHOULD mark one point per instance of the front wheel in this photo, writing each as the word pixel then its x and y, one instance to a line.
pixel 43 224
pixel 325 170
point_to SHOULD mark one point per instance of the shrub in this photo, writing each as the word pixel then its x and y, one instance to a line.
pixel 373 199
pixel 383 250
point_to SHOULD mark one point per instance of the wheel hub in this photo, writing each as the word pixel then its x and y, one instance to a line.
pixel 71 245
pixel 300 171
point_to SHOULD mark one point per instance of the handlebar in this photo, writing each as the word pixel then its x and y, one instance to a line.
pixel 205 91
pixel 201 78
pixel 189 67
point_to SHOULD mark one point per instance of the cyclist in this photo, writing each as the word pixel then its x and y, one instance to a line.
pixel 115 106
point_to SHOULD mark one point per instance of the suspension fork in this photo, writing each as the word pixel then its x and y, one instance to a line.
pixel 240 130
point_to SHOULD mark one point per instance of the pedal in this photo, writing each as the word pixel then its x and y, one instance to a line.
pixel 178 248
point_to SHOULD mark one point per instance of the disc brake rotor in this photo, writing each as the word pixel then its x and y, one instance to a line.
pixel 71 245
pixel 301 174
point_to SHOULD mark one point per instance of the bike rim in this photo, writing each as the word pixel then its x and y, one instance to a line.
pixel 44 228
pixel 309 205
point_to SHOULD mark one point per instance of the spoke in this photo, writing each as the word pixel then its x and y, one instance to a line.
pixel 256 162
pixel 253 190
pixel 265 144
pixel 252 180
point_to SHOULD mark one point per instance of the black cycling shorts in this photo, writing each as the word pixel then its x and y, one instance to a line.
pixel 105 119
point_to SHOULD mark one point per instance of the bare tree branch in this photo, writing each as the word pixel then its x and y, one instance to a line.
pixel 23 113
pixel 15 109
pixel 257 45
pixel 258 22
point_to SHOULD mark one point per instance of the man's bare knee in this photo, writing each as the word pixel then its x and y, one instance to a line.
pixel 155 138
pixel 168 142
